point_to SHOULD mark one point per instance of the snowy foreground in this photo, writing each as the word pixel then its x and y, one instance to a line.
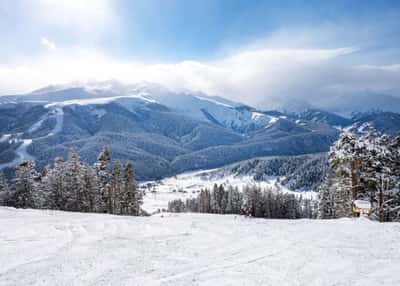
pixel 60 248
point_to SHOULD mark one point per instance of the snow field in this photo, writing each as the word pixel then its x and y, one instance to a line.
pixel 59 248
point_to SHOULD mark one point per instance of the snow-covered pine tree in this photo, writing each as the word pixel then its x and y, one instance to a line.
pixel 268 203
pixel 102 167
pixel 229 200
pixel 252 201
pixel 338 184
pixel 205 201
pixel 215 206
pixel 237 200
pixel 224 201
pixel 326 198
pixel 89 189
pixel 132 198
pixel 73 185
pixel 246 203
pixel 4 190
pixel 22 195
pixel 116 188
pixel 393 208
pixel 42 192
pixel 220 199
pixel 55 185
pixel 370 165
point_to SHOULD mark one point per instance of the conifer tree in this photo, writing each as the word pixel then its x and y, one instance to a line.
pixel 4 190
pixel 89 196
pixel 73 185
pixel 132 198
pixel 116 188
pixel 23 185
pixel 102 167
pixel 55 185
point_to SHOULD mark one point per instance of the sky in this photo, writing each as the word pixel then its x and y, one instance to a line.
pixel 257 52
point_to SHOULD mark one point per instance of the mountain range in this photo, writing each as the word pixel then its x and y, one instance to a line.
pixel 163 132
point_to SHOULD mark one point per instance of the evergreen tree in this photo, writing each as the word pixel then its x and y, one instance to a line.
pixel 23 186
pixel 4 190
pixel 89 195
pixel 55 185
pixel 215 200
pixel 116 188
pixel 337 190
pixel 42 192
pixel 205 201
pixel 102 167
pixel 73 185
pixel 132 198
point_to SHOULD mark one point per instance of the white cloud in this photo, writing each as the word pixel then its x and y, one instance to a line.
pixel 82 19
pixel 263 77
pixel 48 44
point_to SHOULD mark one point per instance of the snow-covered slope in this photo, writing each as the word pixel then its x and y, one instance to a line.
pixel 197 106
pixel 61 248
pixel 54 112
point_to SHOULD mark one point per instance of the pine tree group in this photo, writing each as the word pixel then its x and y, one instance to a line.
pixel 74 186
pixel 251 201
pixel 362 168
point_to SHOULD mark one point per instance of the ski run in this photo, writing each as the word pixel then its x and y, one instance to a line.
pixel 40 247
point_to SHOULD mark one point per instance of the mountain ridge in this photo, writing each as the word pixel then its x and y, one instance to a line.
pixel 163 132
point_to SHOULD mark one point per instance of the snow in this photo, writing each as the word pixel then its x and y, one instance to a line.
pixel 5 137
pixel 100 100
pixel 272 122
pixel 363 127
pixel 188 185
pixel 58 113
pixel 362 204
pixel 60 248
pixel 214 101
pixel 256 116
pixel 37 125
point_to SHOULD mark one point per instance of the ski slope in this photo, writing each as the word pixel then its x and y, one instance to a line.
pixel 59 248
pixel 22 151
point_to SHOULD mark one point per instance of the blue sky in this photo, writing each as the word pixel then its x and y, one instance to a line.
pixel 220 47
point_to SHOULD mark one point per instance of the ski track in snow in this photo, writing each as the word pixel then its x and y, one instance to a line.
pixel 59 248
pixel 22 153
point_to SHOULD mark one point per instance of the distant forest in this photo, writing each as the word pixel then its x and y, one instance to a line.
pixel 251 201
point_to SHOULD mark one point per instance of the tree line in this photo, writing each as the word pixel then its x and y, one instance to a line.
pixel 74 186
pixel 363 167
pixel 251 201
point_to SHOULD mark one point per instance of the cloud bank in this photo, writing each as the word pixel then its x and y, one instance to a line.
pixel 262 77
